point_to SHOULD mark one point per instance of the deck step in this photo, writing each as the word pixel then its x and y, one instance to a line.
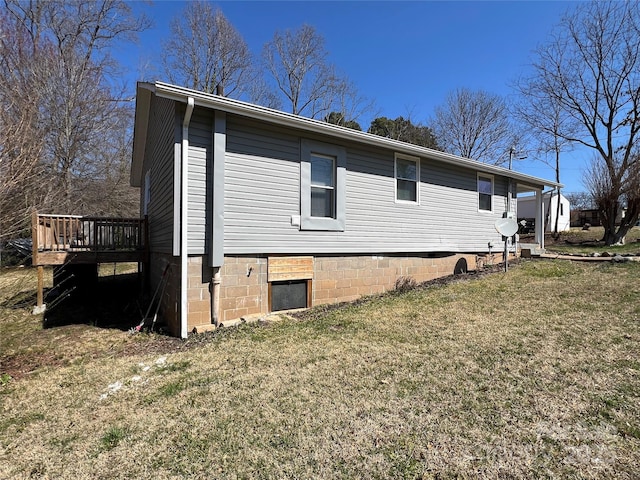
pixel 528 250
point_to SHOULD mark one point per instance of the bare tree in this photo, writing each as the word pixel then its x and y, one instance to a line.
pixel 22 135
pixel 475 124
pixel 601 187
pixel 104 188
pixel 348 102
pixel 580 200
pixel 261 93
pixel 205 51
pixel 297 61
pixel 590 70
pixel 64 64
pixel 544 119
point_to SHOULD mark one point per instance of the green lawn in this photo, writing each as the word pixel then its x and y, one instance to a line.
pixel 530 374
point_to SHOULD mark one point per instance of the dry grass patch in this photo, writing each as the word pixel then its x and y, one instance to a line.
pixel 576 241
pixel 529 374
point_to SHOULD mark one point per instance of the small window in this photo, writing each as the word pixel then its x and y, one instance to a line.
pixel 485 193
pixel 407 175
pixel 322 186
pixel 289 295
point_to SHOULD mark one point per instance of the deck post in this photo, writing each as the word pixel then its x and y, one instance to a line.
pixel 40 306
pixel 34 237
pixel 40 296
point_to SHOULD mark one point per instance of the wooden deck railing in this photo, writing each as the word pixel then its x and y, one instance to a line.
pixel 72 233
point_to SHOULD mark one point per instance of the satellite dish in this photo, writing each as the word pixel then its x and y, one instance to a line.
pixel 507 227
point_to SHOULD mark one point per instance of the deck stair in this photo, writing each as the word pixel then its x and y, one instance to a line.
pixel 528 250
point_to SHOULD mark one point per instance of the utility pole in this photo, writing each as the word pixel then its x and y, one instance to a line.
pixel 512 153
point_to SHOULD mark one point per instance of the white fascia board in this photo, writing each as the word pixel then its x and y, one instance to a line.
pixel 140 126
pixel 269 115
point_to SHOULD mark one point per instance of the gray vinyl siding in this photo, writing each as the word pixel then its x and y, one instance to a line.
pixel 262 193
pixel 200 158
pixel 159 158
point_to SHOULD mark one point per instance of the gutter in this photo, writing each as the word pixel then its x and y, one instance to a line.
pixel 237 107
pixel 184 217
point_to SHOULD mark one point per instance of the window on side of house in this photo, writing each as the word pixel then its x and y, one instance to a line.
pixel 485 193
pixel 322 186
pixel 407 173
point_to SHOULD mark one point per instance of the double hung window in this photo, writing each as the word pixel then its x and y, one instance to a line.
pixel 485 193
pixel 322 186
pixel 407 173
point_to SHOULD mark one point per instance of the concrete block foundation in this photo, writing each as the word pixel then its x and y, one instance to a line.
pixel 245 287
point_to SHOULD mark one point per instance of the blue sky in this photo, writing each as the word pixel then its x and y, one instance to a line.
pixel 406 56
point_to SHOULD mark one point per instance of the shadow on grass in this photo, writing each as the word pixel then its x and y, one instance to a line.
pixel 23 299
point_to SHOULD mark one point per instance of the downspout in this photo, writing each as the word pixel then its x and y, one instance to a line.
pixel 215 296
pixel 184 212
pixel 216 244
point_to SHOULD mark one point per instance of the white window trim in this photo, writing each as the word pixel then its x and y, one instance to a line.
pixel 307 222
pixel 493 184
pixel 402 156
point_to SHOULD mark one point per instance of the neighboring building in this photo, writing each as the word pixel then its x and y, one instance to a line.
pixel 257 210
pixel 580 218
pixel 527 210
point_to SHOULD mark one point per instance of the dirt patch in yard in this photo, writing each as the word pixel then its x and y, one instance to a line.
pixel 105 344
pixel 77 350
pixel 77 329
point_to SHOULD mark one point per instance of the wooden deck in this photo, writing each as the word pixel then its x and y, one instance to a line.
pixel 63 239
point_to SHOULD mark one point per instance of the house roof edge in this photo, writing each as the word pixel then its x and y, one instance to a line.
pixel 181 94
